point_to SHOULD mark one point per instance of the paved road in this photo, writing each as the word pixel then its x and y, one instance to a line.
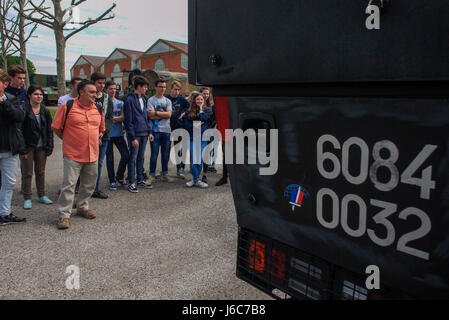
pixel 167 243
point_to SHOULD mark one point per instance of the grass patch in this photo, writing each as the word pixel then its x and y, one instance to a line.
pixel 52 112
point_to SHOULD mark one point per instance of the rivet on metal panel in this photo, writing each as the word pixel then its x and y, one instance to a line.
pixel 215 60
pixel 252 199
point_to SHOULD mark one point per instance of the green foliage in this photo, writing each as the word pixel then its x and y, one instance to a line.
pixel 52 112
pixel 15 60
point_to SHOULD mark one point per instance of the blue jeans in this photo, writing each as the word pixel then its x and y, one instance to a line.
pixel 8 167
pixel 102 154
pixel 120 143
pixel 196 159
pixel 162 141
pixel 136 159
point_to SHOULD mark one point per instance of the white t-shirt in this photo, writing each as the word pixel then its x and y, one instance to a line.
pixel 142 104
pixel 64 99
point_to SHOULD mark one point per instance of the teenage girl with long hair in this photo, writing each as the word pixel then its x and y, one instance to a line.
pixel 39 141
pixel 209 167
pixel 197 114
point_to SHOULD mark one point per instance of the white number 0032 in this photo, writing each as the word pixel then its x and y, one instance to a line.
pixel 340 211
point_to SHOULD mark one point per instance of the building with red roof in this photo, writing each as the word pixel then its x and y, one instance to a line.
pixel 163 55
pixel 86 65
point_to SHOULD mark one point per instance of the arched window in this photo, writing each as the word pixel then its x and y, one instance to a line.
pixel 159 65
pixel 116 68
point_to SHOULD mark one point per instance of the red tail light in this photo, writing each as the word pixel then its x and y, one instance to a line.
pixel 278 265
pixel 257 256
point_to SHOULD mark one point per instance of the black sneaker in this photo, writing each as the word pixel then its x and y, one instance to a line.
pixel 4 221
pixel 144 185
pixel 204 179
pixel 221 182
pixel 12 219
pixel 132 188
pixel 100 195
pixel 212 169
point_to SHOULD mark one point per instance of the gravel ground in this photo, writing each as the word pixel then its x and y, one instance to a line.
pixel 167 243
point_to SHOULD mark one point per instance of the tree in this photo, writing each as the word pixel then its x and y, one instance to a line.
pixel 15 31
pixel 23 35
pixel 53 18
pixel 15 60
pixel 7 29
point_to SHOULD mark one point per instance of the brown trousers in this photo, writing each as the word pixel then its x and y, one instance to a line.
pixel 37 158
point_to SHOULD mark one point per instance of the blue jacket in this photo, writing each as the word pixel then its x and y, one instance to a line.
pixel 20 94
pixel 187 124
pixel 136 122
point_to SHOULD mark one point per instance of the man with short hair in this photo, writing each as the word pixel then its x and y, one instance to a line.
pixel 104 103
pixel 16 87
pixel 160 112
pixel 138 129
pixel 118 140
pixel 73 91
pixel 179 106
pixel 81 130
pixel 70 97
pixel 132 74
pixel 12 144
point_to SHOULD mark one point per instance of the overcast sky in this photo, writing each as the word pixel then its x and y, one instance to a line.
pixel 136 26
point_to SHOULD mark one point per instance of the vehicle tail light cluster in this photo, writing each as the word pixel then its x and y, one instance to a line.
pixel 257 256
pixel 260 261
pixel 285 272
pixel 278 259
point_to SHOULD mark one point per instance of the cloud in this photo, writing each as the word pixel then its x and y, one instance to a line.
pixel 137 25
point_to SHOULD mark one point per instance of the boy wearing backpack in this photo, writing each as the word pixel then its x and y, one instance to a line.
pixel 81 128
pixel 105 104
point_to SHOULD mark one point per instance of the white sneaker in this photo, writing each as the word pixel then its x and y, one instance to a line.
pixel 190 184
pixel 201 184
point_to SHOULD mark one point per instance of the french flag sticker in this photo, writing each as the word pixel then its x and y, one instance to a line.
pixel 297 198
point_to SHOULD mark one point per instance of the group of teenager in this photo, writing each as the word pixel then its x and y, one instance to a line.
pixel 91 120
pixel 25 133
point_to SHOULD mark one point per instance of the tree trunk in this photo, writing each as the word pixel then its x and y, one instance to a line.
pixel 23 62
pixel 60 46
pixel 60 61
pixel 23 50
pixel 4 60
pixel 3 44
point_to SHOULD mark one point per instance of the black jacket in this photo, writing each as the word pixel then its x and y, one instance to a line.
pixel 32 131
pixel 11 118
pixel 109 120
pixel 213 117
pixel 108 113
